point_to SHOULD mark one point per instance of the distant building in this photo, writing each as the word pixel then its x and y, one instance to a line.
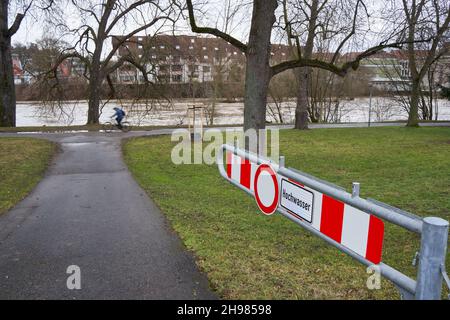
pixel 389 70
pixel 184 59
pixel 67 70
pixel 17 70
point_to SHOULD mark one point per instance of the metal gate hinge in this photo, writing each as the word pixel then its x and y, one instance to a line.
pixel 446 279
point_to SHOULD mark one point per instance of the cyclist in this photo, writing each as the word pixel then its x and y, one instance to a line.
pixel 120 114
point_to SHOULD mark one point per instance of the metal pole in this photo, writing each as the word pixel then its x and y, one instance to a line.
pixel 370 102
pixel 433 248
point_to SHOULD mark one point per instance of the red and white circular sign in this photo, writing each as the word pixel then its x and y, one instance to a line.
pixel 266 189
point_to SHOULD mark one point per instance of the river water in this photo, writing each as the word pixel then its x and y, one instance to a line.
pixel 75 113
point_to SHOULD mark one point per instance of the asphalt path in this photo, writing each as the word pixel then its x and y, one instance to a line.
pixel 89 212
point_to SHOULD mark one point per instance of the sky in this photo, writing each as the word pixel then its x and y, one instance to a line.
pixel 34 28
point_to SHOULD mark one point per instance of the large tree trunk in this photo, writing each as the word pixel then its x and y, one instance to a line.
pixel 95 85
pixel 96 78
pixel 94 100
pixel 258 72
pixel 301 110
pixel 94 103
pixel 413 118
pixel 7 88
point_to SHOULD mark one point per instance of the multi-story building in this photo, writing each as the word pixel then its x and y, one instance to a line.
pixel 185 59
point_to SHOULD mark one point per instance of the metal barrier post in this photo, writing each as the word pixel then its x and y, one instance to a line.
pixel 433 249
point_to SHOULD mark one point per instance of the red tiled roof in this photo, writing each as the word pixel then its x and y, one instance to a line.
pixel 17 66
pixel 200 49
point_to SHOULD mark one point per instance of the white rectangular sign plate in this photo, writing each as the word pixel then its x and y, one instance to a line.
pixel 297 200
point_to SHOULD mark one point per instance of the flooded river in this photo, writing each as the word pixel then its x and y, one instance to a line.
pixel 75 113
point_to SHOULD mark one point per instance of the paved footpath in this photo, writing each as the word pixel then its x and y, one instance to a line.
pixel 88 211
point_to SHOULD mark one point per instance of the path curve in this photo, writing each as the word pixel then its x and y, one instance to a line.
pixel 88 211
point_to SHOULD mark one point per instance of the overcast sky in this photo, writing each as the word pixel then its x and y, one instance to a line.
pixel 33 30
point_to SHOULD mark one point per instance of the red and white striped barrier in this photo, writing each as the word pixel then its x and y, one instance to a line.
pixel 355 229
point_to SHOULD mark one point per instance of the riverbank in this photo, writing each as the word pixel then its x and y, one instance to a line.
pixel 99 128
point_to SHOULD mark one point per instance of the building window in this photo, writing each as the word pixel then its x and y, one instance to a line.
pixel 177 68
pixel 192 40
pixel 176 59
pixel 191 47
pixel 204 48
pixel 139 39
pixel 205 57
pixel 164 78
pixel 161 47
pixel 127 78
pixel 163 68
pixel 176 78
pixel 177 47
pixel 217 49
pixel 206 69
pixel 193 68
pixel 140 46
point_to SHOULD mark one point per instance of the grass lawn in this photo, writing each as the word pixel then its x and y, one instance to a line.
pixel 247 255
pixel 22 164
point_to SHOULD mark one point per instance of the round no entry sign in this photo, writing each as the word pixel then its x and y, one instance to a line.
pixel 266 189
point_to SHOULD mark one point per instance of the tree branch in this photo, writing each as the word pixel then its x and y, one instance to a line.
pixel 213 31
pixel 339 70
pixel 122 39
pixel 18 21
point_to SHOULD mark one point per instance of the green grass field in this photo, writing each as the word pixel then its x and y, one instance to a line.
pixel 22 164
pixel 250 256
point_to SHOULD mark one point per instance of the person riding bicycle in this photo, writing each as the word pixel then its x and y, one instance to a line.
pixel 120 114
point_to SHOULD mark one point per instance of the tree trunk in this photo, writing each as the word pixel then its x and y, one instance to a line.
pixel 301 110
pixel 96 78
pixel 258 72
pixel 303 75
pixel 7 88
pixel 413 118
pixel 95 84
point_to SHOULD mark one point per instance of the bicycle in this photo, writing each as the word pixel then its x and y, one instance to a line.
pixel 108 127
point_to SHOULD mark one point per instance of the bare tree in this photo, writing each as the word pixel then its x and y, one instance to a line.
pixel 7 89
pixel 319 24
pixel 227 19
pixel 100 21
pixel 396 70
pixel 424 19
pixel 257 50
pixel 281 88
